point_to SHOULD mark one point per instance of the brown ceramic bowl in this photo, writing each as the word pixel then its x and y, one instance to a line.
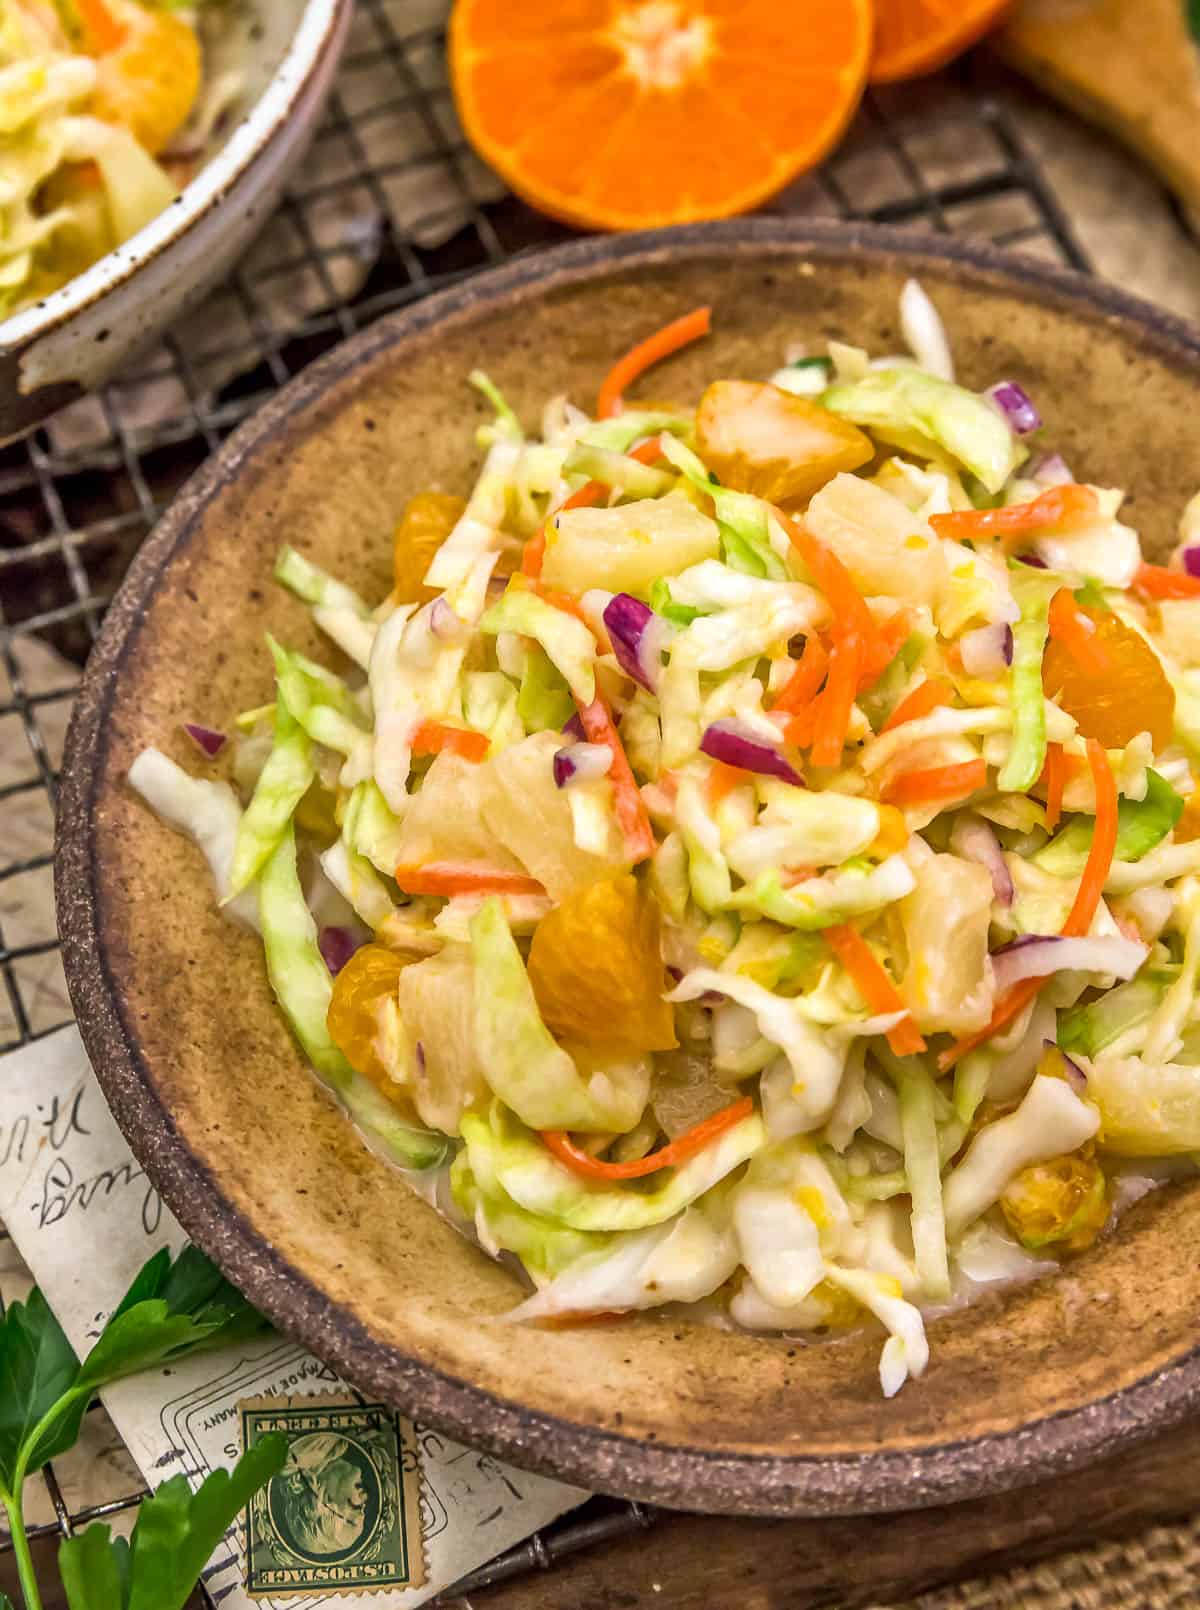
pixel 214 1097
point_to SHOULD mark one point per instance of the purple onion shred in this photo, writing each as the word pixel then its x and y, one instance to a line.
pixel 581 763
pixel 988 650
pixel 206 739
pixel 1041 955
pixel 337 945
pixel 638 636
pixel 574 729
pixel 1191 561
pixel 738 744
pixel 1076 1077
pixel 975 840
pixel 1052 470
pixel 1015 404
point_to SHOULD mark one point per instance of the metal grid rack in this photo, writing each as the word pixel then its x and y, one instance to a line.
pixel 76 502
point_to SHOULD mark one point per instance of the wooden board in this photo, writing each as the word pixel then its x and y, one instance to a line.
pixel 691 1562
pixel 1128 65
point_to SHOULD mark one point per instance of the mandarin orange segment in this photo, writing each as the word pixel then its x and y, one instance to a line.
pixel 1133 695
pixel 359 990
pixel 913 37
pixel 597 972
pixel 427 521
pixel 150 82
pixel 624 114
pixel 759 439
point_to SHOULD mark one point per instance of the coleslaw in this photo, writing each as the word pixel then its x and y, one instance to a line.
pixel 751 859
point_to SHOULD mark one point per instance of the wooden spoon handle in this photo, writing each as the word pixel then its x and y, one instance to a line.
pixel 1128 65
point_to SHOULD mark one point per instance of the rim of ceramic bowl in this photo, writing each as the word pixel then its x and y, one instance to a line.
pixel 689 1477
pixel 316 33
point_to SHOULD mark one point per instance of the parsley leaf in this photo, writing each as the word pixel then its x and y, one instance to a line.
pixel 176 1532
pixel 38 1367
pixel 171 1309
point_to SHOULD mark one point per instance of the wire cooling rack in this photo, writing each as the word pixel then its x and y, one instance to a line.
pixel 394 174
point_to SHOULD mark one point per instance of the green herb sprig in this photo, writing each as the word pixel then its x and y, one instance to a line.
pixel 174 1308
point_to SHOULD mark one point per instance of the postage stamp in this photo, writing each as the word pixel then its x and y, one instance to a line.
pixel 343 1515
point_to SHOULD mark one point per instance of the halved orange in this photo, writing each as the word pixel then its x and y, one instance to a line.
pixel 913 37
pixel 626 114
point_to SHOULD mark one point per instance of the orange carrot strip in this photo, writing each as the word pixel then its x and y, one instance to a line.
pixel 938 782
pixel 874 985
pixel 722 780
pixel 836 702
pixel 679 333
pixel 648 451
pixel 104 32
pixel 627 800
pixel 1103 846
pixel 1055 774
pixel 563 601
pixel 799 729
pixel 930 695
pixel 889 640
pixel 432 737
pixel 1011 1006
pixel 1087 899
pixel 460 877
pixel 670 1156
pixel 1052 508
pixel 534 553
pixel 805 681
pixel 1156 581
pixel 851 617
pixel 1077 634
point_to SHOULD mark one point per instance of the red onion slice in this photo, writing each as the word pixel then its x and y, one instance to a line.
pixel 337 945
pixel 1041 955
pixel 1052 470
pixel 738 744
pixel 1015 404
pixel 581 763
pixel 574 729
pixel 987 651
pixel 638 638
pixel 1191 561
pixel 975 840
pixel 1076 1077
pixel 207 739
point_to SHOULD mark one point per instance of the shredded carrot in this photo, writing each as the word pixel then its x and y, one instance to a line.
pixel 1156 581
pixel 1077 634
pixel 835 703
pixel 1079 920
pixel 648 451
pixel 1012 1005
pixel 1019 520
pixel 936 783
pixel 461 877
pixel 851 617
pixel 432 737
pixel 679 333
pixel 534 553
pixel 103 31
pixel 805 681
pixel 890 638
pixel 627 800
pixel 930 695
pixel 1055 774
pixel 722 780
pixel 874 985
pixel 800 728
pixel 670 1156
pixel 563 601
pixel 1103 846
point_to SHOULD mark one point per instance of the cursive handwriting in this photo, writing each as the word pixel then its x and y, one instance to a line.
pixel 64 1119
pixel 62 1193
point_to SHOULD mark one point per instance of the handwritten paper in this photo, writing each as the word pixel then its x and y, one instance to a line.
pixel 85 1218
